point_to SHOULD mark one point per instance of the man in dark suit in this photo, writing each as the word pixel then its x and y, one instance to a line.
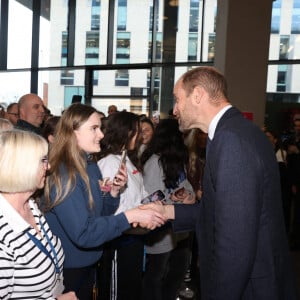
pixel 243 249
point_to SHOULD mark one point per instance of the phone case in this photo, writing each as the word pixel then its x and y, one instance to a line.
pixel 156 196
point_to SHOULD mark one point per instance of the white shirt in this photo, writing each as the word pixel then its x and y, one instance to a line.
pixel 25 271
pixel 214 122
pixel 134 191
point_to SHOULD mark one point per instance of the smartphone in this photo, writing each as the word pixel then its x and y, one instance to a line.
pixel 122 161
pixel 156 196
pixel 123 158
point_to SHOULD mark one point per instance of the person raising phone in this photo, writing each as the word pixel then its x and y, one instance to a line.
pixel 124 253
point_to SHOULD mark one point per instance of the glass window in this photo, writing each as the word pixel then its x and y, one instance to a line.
pixel 158 50
pixel 19 34
pixel 64 48
pixel 91 27
pixel 284 47
pixel 194 15
pixel 122 78
pixel 296 17
pixel 95 16
pixel 151 18
pixel 58 88
pixel 192 46
pixel 281 78
pixel 53 34
pixel 209 31
pixel 67 77
pixel 198 13
pixel 73 94
pixel 13 86
pixel 284 75
pixel 123 48
pixel 211 46
pixel 276 11
pixel 138 106
pixel 122 14
pixel 92 48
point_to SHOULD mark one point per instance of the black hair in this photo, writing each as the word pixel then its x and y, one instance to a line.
pixel 167 142
pixel 49 126
pixel 120 128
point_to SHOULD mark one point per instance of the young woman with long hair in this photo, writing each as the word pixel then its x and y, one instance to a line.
pixel 126 252
pixel 164 164
pixel 77 210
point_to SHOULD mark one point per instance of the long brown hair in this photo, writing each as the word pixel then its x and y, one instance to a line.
pixel 65 153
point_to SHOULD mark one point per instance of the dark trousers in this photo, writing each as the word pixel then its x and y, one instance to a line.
pixel 121 271
pixel 295 230
pixel 81 281
pixel 165 272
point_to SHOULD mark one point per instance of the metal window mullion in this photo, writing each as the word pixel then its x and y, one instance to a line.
pixel 3 34
pixel 35 40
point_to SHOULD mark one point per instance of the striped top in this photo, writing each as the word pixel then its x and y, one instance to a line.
pixel 26 272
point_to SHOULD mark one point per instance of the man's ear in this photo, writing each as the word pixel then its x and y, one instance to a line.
pixel 21 112
pixel 197 94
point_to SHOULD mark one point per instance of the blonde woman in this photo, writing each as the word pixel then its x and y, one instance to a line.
pixel 31 256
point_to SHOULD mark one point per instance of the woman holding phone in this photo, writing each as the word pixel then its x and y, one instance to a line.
pixel 126 252
pixel 167 254
pixel 77 211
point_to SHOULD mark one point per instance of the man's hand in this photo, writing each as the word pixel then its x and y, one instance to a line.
pixel 167 211
pixel 146 218
pixel 185 197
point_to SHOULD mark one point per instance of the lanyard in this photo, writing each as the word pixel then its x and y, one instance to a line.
pixel 43 248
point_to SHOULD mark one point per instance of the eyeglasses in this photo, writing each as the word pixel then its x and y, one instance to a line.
pixel 45 161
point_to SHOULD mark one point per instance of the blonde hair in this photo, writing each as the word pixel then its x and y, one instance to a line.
pixel 5 124
pixel 20 159
pixel 65 152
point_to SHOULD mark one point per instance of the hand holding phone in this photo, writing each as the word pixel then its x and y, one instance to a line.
pixel 181 195
pixel 105 185
pixel 123 158
pixel 122 163
pixel 156 196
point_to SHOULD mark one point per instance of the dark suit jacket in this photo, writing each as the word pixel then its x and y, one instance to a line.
pixel 243 250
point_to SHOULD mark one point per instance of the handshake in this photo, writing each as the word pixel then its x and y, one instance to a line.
pixel 150 215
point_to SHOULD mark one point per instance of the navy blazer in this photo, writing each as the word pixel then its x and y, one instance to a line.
pixel 243 249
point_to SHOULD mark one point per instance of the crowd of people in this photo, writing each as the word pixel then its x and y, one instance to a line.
pixel 72 225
